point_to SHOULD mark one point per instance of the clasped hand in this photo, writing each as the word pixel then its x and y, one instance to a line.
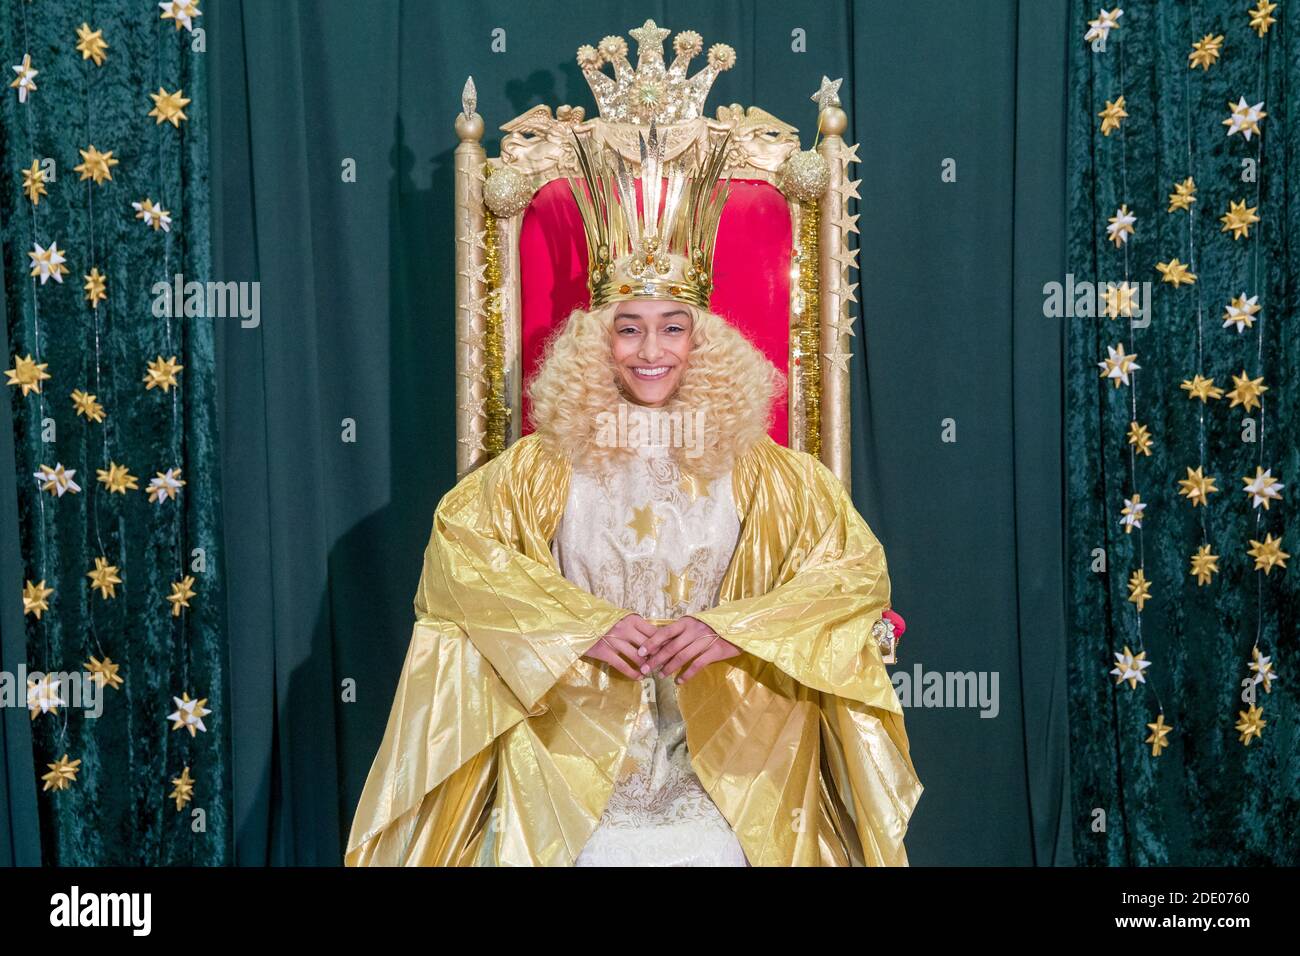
pixel 636 648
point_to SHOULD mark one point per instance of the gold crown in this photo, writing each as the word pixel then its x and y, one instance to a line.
pixel 640 253
pixel 652 92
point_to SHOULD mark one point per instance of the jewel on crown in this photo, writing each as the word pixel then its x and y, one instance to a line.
pixel 652 92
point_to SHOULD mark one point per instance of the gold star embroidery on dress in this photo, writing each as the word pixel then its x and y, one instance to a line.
pixel 62 775
pixel 169 107
pixel 1197 487
pixel 103 578
pixel 36 598
pixel 1238 219
pixel 678 588
pixel 1250 724
pixel 1205 51
pixel 1246 391
pixel 1159 735
pixel 34 183
pixel 95 165
pixel 182 591
pixel 1112 115
pixel 1200 387
pixel 1261 17
pixel 645 523
pixel 183 790
pixel 1205 564
pixel 105 672
pixel 90 44
pixel 27 374
pixel 87 405
pixel 1268 554
pixel 161 373
pixel 1183 196
pixel 116 478
pixel 693 486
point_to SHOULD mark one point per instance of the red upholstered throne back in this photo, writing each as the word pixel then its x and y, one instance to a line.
pixel 751 274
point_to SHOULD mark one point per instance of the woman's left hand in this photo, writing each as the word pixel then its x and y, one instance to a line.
pixel 685 640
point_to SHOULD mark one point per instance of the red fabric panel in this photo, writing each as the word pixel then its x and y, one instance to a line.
pixel 751 273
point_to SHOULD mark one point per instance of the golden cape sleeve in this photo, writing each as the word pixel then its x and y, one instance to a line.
pixel 800 741
pixel 496 626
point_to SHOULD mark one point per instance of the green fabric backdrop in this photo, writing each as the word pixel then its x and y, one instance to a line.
pixel 324 537
pixel 117 811
pixel 1207 799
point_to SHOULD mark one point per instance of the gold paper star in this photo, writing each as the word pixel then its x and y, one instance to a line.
pixel 24 83
pixel 1204 565
pixel 116 478
pixel 678 588
pixel 36 598
pixel 96 290
pixel 1238 219
pixel 103 578
pixel 62 774
pixel 1139 589
pixel 1129 667
pixel 34 183
pixel 48 263
pixel 1251 724
pixel 168 107
pixel 27 374
pixel 1197 487
pixel 182 12
pixel 1121 225
pixel 1183 196
pixel 182 591
pixel 162 374
pixel 165 487
pixel 1261 18
pixel 1139 436
pixel 95 165
pixel 1263 488
pixel 1202 388
pixel 90 44
pixel 1175 273
pixel 1205 51
pixel 1132 513
pixel 57 480
pixel 105 672
pixel 184 791
pixel 1244 118
pixel 1246 391
pixel 1119 299
pixel 693 486
pixel 1268 554
pixel 1118 364
pixel 87 405
pixel 189 714
pixel 1263 669
pixel 1111 116
pixel 644 522
pixel 1159 734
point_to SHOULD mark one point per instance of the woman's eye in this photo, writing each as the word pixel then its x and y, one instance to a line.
pixel 628 329
pixel 675 328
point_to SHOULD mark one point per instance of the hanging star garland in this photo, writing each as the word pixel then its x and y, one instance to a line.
pixel 1261 17
pixel 1205 564
pixel 1200 387
pixel 169 107
pixel 104 578
pixel 182 591
pixel 182 12
pixel 57 480
pixel 189 714
pixel 34 183
pixel 1132 513
pixel 154 217
pixel 1121 225
pixel 1159 735
pixel 105 672
pixel 96 166
pixel 1175 273
pixel 1112 115
pixel 183 791
pixel 1197 487
pixel 1139 589
pixel 43 696
pixel 1262 667
pixel 165 487
pixel 1263 488
pixel 62 775
pixel 1183 196
pixel 1119 299
pixel 36 598
pixel 48 263
pixel 1130 667
pixel 87 405
pixel 96 287
pixel 1241 312
pixel 1246 391
pixel 1118 365
pixel 1099 29
pixel 1205 51
pixel 116 479
pixel 1268 554
pixel 91 44
pixel 1139 436
pixel 1244 119
pixel 161 373
pixel 26 81
pixel 27 374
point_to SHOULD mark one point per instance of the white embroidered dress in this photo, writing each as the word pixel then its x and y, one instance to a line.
pixel 651 540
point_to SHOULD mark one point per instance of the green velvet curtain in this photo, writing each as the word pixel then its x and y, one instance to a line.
pixel 118 810
pixel 1208 799
pixel 324 535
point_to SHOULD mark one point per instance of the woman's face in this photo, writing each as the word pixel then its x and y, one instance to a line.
pixel 651 343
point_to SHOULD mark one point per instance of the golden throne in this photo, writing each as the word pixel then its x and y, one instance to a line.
pixel 520 246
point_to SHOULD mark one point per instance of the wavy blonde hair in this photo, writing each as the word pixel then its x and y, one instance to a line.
pixel 725 377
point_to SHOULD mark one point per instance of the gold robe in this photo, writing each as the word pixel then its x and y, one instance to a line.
pixel 503 743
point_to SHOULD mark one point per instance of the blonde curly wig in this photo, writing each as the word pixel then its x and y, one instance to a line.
pixel 726 378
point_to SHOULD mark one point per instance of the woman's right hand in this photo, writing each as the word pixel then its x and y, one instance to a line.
pixel 619 647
